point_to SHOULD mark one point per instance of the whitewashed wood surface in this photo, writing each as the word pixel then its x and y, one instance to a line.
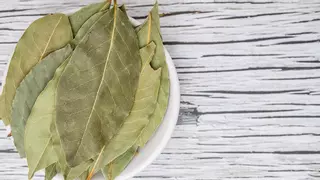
pixel 250 84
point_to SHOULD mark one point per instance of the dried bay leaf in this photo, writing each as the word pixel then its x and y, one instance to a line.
pixel 114 169
pixel 96 91
pixel 48 114
pixel 29 90
pixel 69 173
pixel 42 37
pixel 38 137
pixel 150 31
pixel 95 11
pixel 79 18
pixel 143 107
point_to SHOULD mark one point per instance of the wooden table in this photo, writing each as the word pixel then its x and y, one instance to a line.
pixel 250 85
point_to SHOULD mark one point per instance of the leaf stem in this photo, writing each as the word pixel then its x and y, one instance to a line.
pixel 149 28
pixel 106 6
pixel 95 164
pixel 115 3
pixel 110 170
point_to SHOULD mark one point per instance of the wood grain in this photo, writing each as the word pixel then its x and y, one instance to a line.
pixel 250 84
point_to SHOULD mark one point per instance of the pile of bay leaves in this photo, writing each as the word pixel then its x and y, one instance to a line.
pixel 84 92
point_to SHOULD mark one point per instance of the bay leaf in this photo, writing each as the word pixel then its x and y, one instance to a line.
pixel 115 168
pixel 50 172
pixel 143 107
pixel 150 31
pixel 39 147
pixel 48 114
pixel 79 18
pixel 42 37
pixel 29 90
pixel 96 90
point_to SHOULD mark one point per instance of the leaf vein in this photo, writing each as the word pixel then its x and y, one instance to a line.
pixel 50 38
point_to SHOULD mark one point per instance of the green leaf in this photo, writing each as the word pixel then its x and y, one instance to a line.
pixel 38 137
pixel 150 31
pixel 79 18
pixel 51 172
pixel 143 107
pixel 114 169
pixel 28 91
pixel 42 37
pixel 97 88
pixel 91 13
pixel 68 173
pixel 43 142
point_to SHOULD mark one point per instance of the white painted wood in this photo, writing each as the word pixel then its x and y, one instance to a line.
pixel 250 84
